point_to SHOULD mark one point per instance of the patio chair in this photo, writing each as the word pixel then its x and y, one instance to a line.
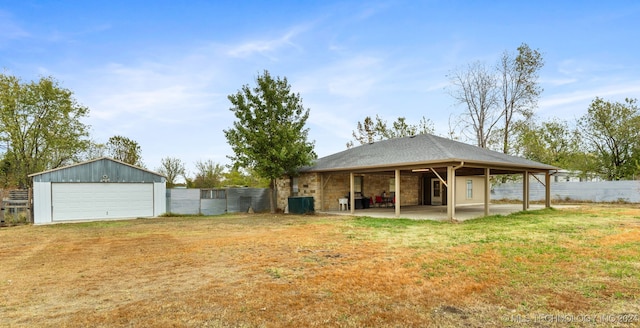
pixel 378 202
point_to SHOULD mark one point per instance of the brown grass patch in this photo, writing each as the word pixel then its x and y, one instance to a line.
pixel 630 236
pixel 308 271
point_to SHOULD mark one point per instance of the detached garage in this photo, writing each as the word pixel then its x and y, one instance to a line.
pixel 100 189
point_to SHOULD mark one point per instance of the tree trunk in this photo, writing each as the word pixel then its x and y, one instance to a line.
pixel 272 198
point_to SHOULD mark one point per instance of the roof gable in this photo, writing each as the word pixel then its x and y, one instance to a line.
pixel 416 150
pixel 102 169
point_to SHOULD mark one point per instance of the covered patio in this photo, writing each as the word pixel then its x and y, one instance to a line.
pixel 418 160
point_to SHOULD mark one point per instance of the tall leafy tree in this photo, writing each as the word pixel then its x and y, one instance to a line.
pixel 611 130
pixel 245 178
pixel 366 132
pixel 93 150
pixel 40 125
pixel 400 128
pixel 209 175
pixel 125 150
pixel 369 130
pixel 269 134
pixel 519 88
pixel 551 142
pixel 171 168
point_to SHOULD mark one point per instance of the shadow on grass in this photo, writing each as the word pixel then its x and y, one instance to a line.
pixel 529 216
pixel 522 216
pixel 365 221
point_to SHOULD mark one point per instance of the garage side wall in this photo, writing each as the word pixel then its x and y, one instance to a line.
pixel 159 198
pixel 42 202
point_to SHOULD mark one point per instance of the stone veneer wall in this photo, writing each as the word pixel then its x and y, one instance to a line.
pixel 308 185
pixel 336 185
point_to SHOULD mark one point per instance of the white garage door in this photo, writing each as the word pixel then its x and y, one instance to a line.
pixel 82 201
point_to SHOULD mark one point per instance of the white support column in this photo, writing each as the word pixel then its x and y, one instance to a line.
pixel 321 191
pixel 525 190
pixel 397 193
pixel 487 190
pixel 352 201
pixel 547 189
pixel 451 195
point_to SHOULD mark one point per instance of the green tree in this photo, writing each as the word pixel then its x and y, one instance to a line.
pixel 209 175
pixel 94 150
pixel 40 124
pixel 369 130
pixel 171 168
pixel 366 132
pixel 611 130
pixel 269 134
pixel 125 150
pixel 519 89
pixel 237 177
pixel 551 142
pixel 399 128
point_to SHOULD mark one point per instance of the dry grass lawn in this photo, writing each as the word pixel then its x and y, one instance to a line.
pixel 575 267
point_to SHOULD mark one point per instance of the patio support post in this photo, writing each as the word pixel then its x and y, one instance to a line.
pixel 451 195
pixel 397 203
pixel 487 190
pixel 547 189
pixel 352 200
pixel 525 191
pixel 321 191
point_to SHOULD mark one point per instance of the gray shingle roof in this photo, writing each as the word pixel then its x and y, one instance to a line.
pixel 419 149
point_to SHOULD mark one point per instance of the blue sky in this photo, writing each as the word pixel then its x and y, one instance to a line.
pixel 159 72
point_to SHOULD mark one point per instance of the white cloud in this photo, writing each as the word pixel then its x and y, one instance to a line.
pixel 154 90
pixel 372 9
pixel 571 105
pixel 558 81
pixel 571 67
pixel 351 77
pixel 266 47
pixel 10 30
pixel 623 90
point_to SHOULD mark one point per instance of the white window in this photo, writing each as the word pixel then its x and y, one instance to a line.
pixel 469 189
pixel 294 186
pixel 357 184
pixel 392 185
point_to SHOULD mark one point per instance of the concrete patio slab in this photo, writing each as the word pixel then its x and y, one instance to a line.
pixel 438 213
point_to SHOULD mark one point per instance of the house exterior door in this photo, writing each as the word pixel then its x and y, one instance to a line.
pixel 436 192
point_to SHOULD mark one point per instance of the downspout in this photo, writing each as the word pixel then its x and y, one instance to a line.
pixel 441 179
pixel 459 166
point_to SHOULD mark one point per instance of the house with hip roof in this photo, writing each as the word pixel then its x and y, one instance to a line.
pixel 417 170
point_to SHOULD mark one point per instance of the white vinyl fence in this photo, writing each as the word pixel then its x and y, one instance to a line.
pixel 601 191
